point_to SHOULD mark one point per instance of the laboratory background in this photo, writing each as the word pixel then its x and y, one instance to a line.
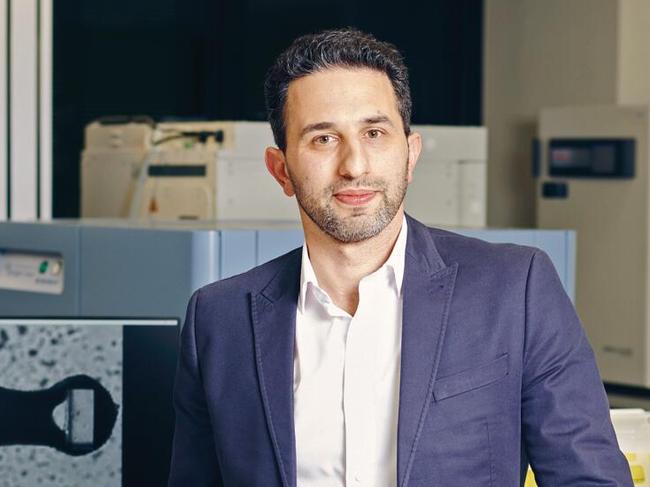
pixel 131 173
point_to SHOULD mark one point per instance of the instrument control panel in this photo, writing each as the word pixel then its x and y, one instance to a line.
pixel 31 272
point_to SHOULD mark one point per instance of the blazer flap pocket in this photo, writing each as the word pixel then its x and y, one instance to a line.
pixel 470 379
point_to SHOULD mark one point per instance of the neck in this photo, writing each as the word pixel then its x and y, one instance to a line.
pixel 339 267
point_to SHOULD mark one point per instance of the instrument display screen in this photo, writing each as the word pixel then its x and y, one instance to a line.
pixel 595 158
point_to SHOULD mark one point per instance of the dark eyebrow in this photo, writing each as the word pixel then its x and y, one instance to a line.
pixel 312 127
pixel 378 120
pixel 375 120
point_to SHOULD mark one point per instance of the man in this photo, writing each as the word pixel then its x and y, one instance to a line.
pixel 383 352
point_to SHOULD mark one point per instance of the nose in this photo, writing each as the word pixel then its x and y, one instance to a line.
pixel 354 161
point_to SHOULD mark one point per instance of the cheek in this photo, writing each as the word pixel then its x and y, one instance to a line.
pixel 388 151
pixel 310 170
pixel 390 163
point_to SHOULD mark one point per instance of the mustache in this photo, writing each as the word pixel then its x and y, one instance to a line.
pixel 366 183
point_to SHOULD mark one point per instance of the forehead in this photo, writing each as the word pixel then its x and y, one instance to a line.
pixel 339 94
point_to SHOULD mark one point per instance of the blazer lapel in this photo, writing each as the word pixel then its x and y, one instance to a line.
pixel 427 291
pixel 274 321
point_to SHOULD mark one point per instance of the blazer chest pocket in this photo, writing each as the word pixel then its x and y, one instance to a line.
pixel 468 380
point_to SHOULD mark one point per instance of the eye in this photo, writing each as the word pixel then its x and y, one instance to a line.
pixel 324 139
pixel 374 133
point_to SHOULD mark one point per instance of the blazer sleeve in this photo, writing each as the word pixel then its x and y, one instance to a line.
pixel 194 459
pixel 567 432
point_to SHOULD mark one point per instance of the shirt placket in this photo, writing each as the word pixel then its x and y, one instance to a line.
pixel 358 395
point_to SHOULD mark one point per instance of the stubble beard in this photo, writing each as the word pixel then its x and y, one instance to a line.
pixel 363 223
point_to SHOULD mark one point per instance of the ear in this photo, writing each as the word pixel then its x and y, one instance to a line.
pixel 415 147
pixel 277 165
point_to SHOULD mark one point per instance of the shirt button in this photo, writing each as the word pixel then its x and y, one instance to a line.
pixel 357 479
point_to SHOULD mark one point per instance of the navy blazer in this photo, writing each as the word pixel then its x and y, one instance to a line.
pixel 496 372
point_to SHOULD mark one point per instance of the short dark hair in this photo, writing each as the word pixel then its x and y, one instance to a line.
pixel 349 48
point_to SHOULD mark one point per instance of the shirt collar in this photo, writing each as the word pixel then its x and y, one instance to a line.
pixel 394 263
pixel 397 257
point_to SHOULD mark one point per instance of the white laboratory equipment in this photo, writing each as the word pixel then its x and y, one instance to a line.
pixel 180 170
pixel 216 170
pixel 449 185
pixel 105 267
pixel 593 177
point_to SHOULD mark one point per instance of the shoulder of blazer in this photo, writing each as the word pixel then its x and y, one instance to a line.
pixel 474 252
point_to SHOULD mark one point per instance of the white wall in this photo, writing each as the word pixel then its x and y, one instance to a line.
pixel 550 53
pixel 23 125
pixel 633 52
pixel 3 109
pixel 25 109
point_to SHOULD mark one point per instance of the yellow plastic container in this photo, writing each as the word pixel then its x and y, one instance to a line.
pixel 633 433
pixel 530 479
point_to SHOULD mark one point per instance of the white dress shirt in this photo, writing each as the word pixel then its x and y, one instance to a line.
pixel 346 379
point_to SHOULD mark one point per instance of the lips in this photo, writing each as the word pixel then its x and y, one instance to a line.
pixel 355 197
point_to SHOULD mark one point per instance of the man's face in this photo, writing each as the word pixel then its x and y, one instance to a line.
pixel 347 159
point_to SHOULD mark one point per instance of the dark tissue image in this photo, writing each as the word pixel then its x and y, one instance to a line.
pixel 88 413
pixel 60 415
